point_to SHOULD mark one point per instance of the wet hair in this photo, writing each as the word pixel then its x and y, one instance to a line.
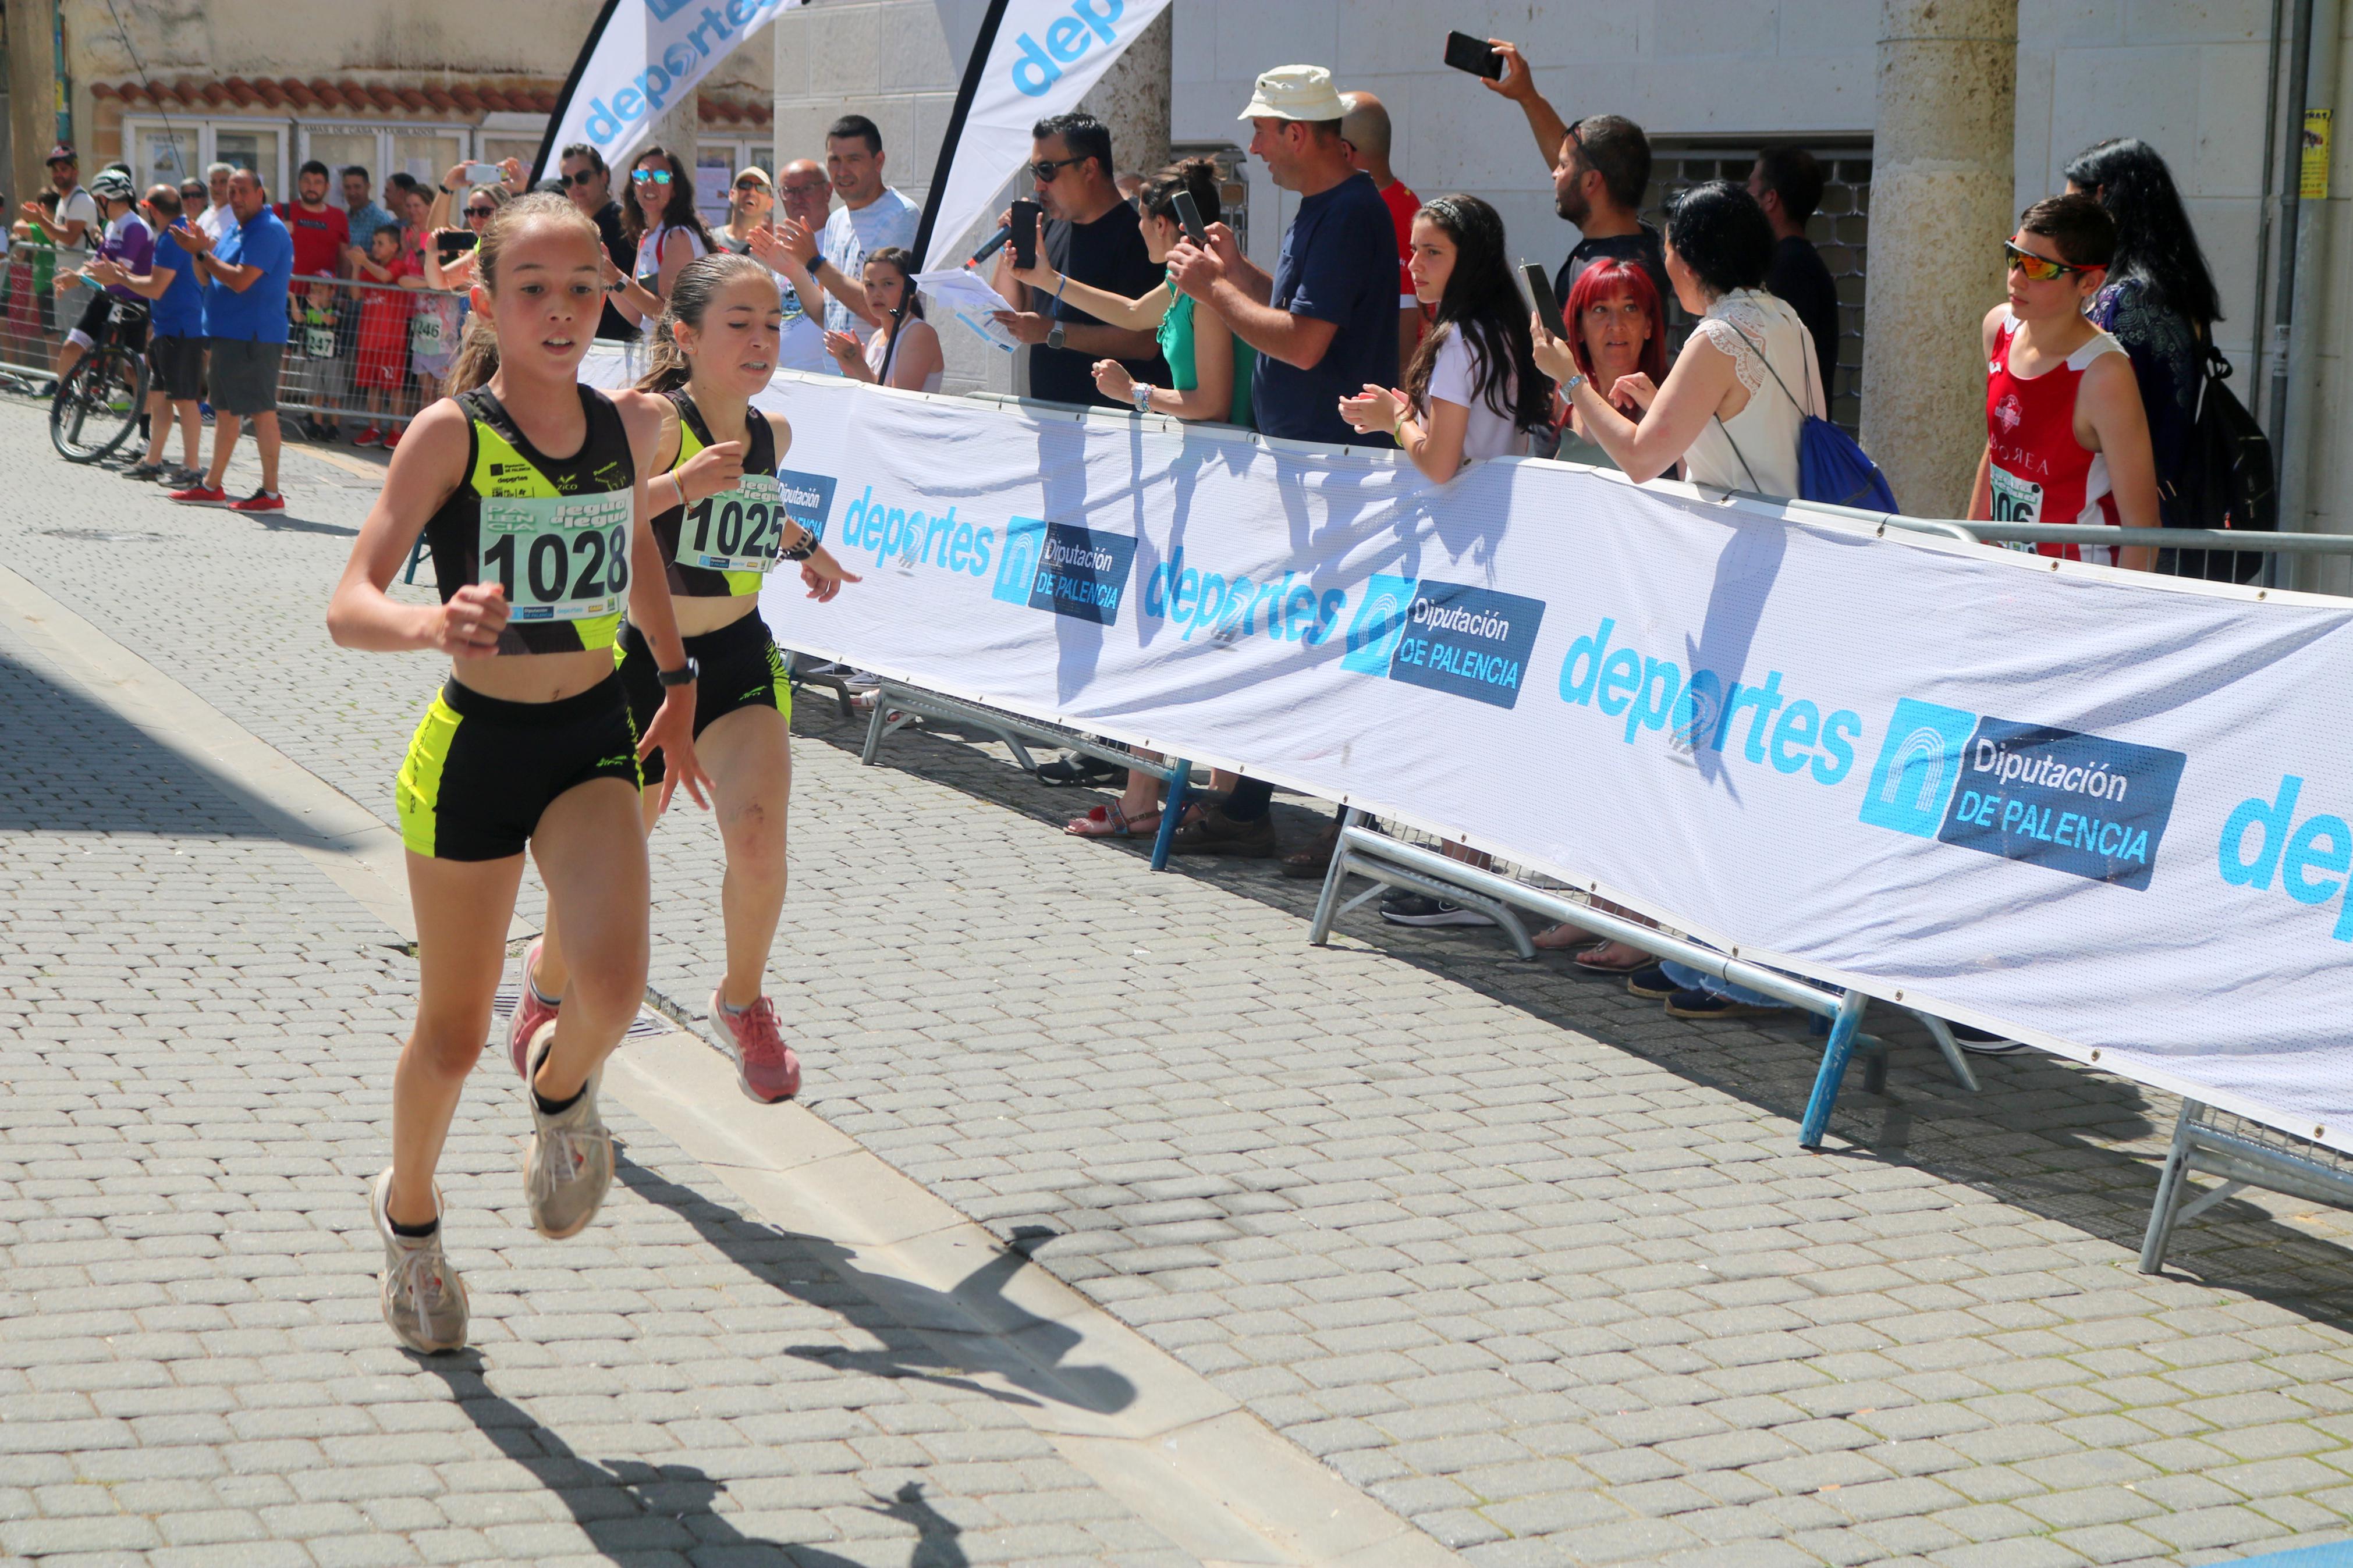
pixel 678 211
pixel 1722 235
pixel 1615 146
pixel 911 302
pixel 1483 303
pixel 477 359
pixel 1608 279
pixel 2155 242
pixel 2077 225
pixel 1793 174
pixel 700 281
pixel 856 126
pixel 1199 175
pixel 1081 132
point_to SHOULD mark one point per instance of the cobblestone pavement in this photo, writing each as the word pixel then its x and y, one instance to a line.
pixel 1533 1265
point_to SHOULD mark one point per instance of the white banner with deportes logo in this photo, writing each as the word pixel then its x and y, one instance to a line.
pixel 2108 813
pixel 641 57
pixel 1045 55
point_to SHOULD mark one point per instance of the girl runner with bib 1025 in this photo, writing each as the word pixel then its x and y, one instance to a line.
pixel 721 523
pixel 2066 437
pixel 530 743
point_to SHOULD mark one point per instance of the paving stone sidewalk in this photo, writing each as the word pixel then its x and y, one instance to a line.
pixel 1535 1265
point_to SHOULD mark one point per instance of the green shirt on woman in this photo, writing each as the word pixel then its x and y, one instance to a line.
pixel 1176 348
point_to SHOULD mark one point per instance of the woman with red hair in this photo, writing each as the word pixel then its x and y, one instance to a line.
pixel 1615 329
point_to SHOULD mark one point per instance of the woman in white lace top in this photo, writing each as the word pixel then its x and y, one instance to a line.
pixel 1738 393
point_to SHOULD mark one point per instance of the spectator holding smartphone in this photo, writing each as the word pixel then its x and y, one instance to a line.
pixel 1325 326
pixel 1091 237
pixel 1600 167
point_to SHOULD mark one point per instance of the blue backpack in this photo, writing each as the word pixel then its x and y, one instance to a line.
pixel 1832 467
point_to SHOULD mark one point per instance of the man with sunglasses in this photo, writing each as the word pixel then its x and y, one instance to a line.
pixel 1093 236
pixel 590 183
pixel 2066 437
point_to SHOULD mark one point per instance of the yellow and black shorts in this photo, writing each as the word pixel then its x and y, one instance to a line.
pixel 481 770
pixel 740 666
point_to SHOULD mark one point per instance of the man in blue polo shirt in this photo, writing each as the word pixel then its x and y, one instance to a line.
pixel 1325 325
pixel 247 274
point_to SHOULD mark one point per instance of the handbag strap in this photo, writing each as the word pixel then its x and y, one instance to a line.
pixel 1737 452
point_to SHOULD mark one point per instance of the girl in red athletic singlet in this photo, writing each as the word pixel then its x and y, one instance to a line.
pixel 2037 470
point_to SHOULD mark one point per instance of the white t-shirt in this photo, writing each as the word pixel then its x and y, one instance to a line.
pixel 79 205
pixel 852 235
pixel 1489 434
pixel 217 221
pixel 649 252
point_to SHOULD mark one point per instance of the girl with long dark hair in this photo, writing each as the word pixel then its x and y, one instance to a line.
pixel 905 347
pixel 659 218
pixel 719 526
pixel 1472 388
pixel 529 488
pixel 2159 301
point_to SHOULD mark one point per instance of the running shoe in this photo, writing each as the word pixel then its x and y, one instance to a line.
pixel 529 1013
pixel 201 494
pixel 181 478
pixel 569 1166
pixel 370 436
pixel 424 1300
pixel 144 473
pixel 765 1067
pixel 392 437
pixel 1712 1004
pixel 1420 909
pixel 259 500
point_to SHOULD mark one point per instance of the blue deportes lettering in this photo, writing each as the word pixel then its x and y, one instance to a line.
pixel 2321 843
pixel 1036 68
pixel 1702 709
pixel 893 535
pixel 1291 610
pixel 717 30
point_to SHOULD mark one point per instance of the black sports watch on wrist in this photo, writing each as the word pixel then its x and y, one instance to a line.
pixel 683 675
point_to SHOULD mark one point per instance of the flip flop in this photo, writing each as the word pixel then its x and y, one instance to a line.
pixel 1584 960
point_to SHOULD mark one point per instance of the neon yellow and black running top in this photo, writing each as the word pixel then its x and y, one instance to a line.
pixel 726 545
pixel 554 531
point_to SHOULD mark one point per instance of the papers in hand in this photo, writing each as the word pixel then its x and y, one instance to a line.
pixel 965 295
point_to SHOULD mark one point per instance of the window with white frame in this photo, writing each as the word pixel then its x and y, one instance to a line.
pixel 715 163
pixel 180 148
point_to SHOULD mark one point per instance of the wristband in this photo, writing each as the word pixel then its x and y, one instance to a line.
pixel 683 675
pixel 802 551
pixel 1141 394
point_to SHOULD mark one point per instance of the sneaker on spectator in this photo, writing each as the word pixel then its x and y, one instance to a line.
pixel 259 500
pixel 205 412
pixel 370 436
pixel 1420 909
pixel 1651 983
pixel 144 472
pixel 180 477
pixel 1708 1004
pixel 392 437
pixel 201 494
pixel 856 680
pixel 1216 833
pixel 1985 1042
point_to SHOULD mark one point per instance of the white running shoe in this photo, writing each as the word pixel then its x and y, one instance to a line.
pixel 424 1300
pixel 569 1166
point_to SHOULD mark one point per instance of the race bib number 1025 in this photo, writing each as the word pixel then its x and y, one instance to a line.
pixel 559 558
pixel 735 531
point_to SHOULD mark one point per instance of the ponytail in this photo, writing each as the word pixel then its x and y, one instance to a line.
pixel 476 358
pixel 698 283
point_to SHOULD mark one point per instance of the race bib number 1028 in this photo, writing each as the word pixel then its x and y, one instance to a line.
pixel 559 558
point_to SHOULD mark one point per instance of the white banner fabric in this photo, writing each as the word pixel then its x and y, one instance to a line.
pixel 1047 54
pixel 651 55
pixel 2092 809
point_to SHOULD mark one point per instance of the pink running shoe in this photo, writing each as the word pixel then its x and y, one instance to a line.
pixel 765 1068
pixel 529 1015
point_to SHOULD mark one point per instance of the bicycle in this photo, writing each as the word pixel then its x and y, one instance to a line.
pixel 98 402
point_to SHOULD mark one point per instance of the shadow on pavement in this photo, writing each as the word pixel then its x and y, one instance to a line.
pixel 942 1337
pixel 628 1508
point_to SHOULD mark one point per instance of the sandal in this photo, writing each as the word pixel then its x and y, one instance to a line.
pixel 1111 821
pixel 1552 939
pixel 1632 958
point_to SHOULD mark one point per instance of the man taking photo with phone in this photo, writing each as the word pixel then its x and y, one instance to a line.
pixel 1601 166
pixel 1090 236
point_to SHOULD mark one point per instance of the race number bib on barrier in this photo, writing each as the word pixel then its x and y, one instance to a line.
pixel 425 332
pixel 735 531
pixel 559 558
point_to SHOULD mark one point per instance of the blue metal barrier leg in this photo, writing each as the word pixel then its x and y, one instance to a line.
pixel 1844 1028
pixel 416 556
pixel 1180 774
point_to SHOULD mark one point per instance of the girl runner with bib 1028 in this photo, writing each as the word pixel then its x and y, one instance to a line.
pixel 721 524
pixel 2066 437
pixel 530 743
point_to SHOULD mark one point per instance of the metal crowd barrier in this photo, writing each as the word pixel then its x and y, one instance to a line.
pixel 2244 1153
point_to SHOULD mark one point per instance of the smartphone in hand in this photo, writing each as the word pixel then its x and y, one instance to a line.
pixel 1465 53
pixel 1024 233
pixel 1540 295
pixel 1189 214
pixel 483 174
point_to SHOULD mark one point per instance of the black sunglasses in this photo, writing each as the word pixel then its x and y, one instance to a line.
pixel 479 212
pixel 1045 169
pixel 582 178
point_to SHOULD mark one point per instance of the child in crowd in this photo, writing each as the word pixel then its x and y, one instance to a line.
pixel 384 336
pixel 312 369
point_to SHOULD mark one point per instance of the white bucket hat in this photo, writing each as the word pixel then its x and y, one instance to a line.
pixel 1296 92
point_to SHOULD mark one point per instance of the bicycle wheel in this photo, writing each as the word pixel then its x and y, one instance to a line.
pixel 98 406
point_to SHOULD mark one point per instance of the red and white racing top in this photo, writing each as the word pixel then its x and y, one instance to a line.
pixel 2039 472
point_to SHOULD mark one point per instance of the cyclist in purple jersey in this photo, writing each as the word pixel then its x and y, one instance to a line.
pixel 129 243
